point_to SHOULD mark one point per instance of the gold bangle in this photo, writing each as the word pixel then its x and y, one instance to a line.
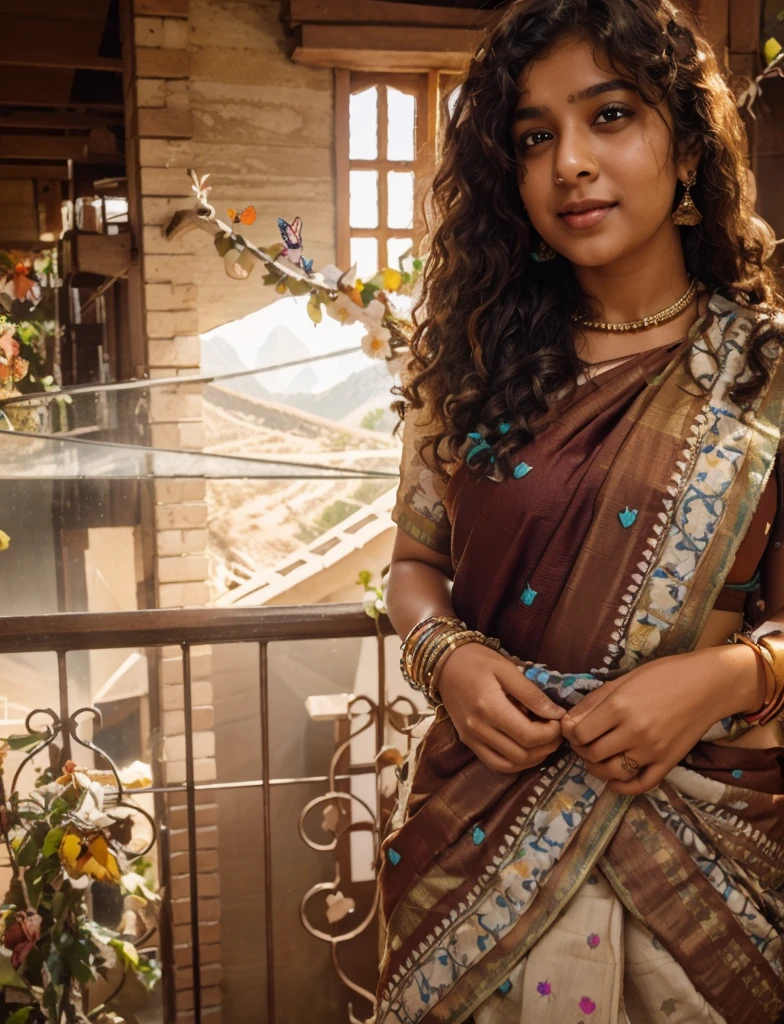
pixel 764 657
pixel 459 641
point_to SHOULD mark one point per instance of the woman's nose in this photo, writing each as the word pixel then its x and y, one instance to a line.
pixel 574 159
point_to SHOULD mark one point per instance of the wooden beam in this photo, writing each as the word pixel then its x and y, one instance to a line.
pixel 43 147
pixel 56 120
pixel 52 172
pixel 385 48
pixel 342 100
pixel 745 26
pixel 75 10
pixel 53 43
pixel 65 60
pixel 383 12
pixel 714 19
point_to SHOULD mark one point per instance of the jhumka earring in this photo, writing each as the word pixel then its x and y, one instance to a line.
pixel 686 213
pixel 543 252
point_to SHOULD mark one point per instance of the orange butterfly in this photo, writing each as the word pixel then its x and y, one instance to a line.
pixel 246 216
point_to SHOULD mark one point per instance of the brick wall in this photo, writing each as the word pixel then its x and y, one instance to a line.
pixel 160 149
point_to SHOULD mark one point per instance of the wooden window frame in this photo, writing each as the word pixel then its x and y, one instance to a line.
pixel 424 87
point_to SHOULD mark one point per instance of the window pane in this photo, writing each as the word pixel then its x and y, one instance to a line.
pixel 452 99
pixel 363 199
pixel 400 185
pixel 396 248
pixel 363 125
pixel 364 252
pixel 402 119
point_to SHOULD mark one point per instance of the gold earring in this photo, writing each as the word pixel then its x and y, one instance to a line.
pixel 686 213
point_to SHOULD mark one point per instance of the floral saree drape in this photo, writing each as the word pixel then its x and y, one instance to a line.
pixel 542 896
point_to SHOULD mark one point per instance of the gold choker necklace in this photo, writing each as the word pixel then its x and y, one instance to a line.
pixel 647 321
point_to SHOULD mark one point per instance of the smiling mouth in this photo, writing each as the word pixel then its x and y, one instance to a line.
pixel 587 218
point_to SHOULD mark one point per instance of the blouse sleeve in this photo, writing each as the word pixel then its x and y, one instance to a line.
pixel 419 510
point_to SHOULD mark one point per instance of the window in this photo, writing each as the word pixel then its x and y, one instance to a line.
pixel 384 166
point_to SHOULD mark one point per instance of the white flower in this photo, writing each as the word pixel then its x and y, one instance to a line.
pixel 342 309
pixel 369 603
pixel 374 312
pixel 376 343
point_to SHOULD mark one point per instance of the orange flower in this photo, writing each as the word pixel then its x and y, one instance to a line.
pixel 9 346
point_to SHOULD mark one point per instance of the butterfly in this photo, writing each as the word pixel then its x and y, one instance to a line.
pixel 292 241
pixel 246 216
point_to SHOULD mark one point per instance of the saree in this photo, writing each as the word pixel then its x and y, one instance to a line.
pixel 542 896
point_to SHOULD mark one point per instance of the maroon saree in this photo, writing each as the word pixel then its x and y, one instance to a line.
pixel 584 571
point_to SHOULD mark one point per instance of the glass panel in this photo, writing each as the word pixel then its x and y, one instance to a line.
pixel 364 252
pixel 363 199
pixel 363 125
pixel 396 249
pixel 400 186
pixel 402 120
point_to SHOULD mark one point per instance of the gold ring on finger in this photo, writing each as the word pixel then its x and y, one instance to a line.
pixel 629 764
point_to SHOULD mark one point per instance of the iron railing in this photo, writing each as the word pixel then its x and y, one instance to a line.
pixel 188 628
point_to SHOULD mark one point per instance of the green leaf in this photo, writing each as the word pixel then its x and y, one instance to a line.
pixel 8 976
pixel 128 953
pixel 222 243
pixel 20 1016
pixel 368 292
pixel 28 853
pixel 24 742
pixel 364 578
pixel 52 842
pixel 297 287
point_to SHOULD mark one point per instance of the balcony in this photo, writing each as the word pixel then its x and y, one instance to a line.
pixel 272 736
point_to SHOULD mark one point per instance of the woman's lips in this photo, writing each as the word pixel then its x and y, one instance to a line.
pixel 587 218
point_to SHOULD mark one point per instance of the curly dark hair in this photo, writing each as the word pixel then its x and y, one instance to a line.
pixel 496 337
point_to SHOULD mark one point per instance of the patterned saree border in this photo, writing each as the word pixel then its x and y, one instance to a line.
pixel 699 496
pixel 660 884
pixel 502 894
pixel 563 882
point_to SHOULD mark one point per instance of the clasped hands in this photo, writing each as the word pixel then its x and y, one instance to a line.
pixel 651 717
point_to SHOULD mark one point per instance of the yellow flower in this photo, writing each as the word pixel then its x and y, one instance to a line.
pixel 392 280
pixel 771 49
pixel 89 857
pixel 5 540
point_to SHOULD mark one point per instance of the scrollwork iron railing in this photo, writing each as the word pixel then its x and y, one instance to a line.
pixel 186 629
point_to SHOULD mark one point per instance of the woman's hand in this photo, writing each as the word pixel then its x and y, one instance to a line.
pixel 483 692
pixel 653 716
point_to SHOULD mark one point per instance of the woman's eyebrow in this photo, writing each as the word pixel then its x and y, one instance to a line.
pixel 612 85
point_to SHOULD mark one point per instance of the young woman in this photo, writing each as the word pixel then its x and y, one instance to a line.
pixel 587 508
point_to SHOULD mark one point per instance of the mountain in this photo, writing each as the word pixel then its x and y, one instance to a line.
pixel 369 387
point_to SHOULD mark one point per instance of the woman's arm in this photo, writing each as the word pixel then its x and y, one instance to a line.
pixel 656 713
pixel 487 698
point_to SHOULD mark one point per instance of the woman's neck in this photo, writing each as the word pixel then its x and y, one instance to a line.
pixel 640 285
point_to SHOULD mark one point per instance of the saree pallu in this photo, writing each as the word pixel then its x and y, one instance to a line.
pixel 543 896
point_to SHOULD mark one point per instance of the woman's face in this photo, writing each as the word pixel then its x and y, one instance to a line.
pixel 584 137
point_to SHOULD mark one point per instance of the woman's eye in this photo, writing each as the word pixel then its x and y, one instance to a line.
pixel 610 115
pixel 611 112
pixel 533 139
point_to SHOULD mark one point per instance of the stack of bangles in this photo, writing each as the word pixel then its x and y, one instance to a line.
pixel 427 647
pixel 770 650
